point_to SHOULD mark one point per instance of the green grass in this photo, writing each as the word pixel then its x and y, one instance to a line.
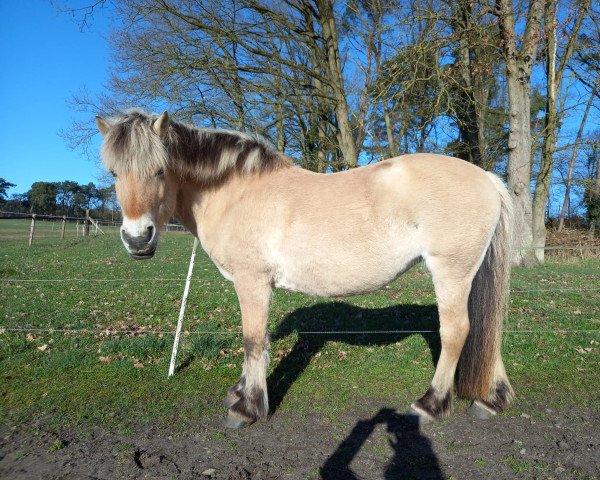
pixel 114 373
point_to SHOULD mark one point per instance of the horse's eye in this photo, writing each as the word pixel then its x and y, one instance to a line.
pixel 113 173
pixel 160 173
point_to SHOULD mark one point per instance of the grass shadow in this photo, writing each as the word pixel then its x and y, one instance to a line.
pixel 185 363
pixel 331 319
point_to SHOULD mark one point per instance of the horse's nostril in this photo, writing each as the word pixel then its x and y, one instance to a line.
pixel 150 232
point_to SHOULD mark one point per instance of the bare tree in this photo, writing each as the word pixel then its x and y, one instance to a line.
pixel 519 61
pixel 569 180
pixel 592 194
pixel 473 76
pixel 556 63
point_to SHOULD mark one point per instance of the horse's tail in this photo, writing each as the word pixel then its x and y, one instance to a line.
pixel 481 374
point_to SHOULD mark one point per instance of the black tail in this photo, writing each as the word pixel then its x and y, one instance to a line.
pixel 480 365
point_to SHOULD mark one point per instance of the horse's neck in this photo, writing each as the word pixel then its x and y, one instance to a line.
pixel 194 201
pixel 189 201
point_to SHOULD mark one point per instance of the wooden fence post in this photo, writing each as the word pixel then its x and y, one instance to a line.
pixel 32 229
pixel 86 223
pixel 62 228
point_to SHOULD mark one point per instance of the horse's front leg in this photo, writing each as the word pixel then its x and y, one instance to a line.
pixel 248 400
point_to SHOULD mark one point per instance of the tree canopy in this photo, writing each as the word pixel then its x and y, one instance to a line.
pixel 336 84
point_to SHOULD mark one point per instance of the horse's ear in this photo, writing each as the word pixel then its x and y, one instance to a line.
pixel 103 126
pixel 161 124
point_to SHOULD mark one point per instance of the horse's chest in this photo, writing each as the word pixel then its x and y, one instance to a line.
pixel 226 274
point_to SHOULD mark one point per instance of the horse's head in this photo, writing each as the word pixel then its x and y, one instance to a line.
pixel 134 151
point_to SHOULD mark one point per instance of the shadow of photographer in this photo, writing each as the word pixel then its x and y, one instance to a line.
pixel 413 456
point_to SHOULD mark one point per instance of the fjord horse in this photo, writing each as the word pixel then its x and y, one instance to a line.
pixel 266 223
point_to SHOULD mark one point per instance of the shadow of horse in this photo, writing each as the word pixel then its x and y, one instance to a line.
pixel 413 456
pixel 325 322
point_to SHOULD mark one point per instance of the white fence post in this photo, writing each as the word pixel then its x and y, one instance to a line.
pixel 186 290
pixel 62 229
pixel 32 229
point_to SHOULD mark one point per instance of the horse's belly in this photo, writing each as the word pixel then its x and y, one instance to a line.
pixel 346 272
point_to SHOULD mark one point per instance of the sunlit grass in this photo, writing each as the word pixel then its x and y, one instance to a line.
pixel 114 372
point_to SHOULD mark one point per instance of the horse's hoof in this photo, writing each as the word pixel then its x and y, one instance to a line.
pixel 234 422
pixel 481 411
pixel 421 416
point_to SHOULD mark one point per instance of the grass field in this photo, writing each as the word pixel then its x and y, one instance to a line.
pixel 18 228
pixel 110 367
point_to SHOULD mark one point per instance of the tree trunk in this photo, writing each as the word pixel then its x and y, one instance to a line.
pixel 280 125
pixel 334 67
pixel 519 63
pixel 481 133
pixel 467 112
pixel 519 171
pixel 595 194
pixel 389 129
pixel 279 105
pixel 542 184
pixel 551 121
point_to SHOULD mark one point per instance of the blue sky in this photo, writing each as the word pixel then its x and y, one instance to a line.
pixel 44 60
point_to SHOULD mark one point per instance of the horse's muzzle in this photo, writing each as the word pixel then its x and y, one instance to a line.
pixel 140 247
pixel 142 256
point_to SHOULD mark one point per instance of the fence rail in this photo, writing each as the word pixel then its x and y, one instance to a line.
pixel 84 222
pixel 515 291
pixel 38 227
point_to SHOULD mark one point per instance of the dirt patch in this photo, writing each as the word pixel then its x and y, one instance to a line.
pixel 365 444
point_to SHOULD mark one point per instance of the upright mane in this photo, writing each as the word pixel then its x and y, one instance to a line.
pixel 205 155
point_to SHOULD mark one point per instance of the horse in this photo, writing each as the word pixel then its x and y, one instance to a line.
pixel 267 224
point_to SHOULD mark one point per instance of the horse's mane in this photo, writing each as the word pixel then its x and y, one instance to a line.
pixel 205 155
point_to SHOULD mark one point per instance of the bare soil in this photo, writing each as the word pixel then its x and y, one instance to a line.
pixel 366 443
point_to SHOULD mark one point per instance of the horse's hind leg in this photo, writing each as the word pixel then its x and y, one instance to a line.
pixel 452 291
pixel 248 400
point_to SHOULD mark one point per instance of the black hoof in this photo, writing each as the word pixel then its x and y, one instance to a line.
pixel 481 410
pixel 419 416
pixel 431 406
pixel 235 422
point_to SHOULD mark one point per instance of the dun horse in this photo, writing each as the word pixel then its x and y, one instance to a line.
pixel 266 224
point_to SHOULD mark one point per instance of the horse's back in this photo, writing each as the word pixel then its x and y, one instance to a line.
pixel 354 231
pixel 358 230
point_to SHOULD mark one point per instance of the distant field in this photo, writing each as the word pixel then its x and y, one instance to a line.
pixel 119 312
pixel 15 228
